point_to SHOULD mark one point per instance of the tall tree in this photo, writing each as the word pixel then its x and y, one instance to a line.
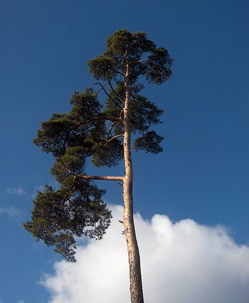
pixel 101 131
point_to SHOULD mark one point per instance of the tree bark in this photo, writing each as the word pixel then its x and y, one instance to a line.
pixel 136 289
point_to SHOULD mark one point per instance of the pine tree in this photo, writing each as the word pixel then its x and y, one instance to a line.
pixel 101 131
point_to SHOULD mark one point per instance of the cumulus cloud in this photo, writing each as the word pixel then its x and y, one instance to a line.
pixel 19 191
pixel 181 263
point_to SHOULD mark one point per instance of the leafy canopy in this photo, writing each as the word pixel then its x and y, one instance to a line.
pixel 93 129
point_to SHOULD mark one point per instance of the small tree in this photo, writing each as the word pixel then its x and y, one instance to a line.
pixel 101 132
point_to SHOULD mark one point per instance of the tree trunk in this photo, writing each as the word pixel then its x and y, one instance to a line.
pixel 136 289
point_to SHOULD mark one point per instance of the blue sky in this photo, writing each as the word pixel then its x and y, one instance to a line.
pixel 203 173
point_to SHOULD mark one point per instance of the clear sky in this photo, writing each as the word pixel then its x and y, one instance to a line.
pixel 199 182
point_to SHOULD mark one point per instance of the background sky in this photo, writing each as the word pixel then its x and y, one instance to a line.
pixel 192 198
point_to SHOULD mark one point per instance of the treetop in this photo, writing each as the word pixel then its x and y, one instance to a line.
pixel 142 54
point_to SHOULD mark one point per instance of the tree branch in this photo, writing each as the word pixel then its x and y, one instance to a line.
pixel 102 87
pixel 102 118
pixel 117 136
pixel 140 61
pixel 117 71
pixel 108 178
pixel 120 99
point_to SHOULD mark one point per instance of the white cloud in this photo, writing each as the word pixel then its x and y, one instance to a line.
pixel 11 212
pixel 19 191
pixel 181 263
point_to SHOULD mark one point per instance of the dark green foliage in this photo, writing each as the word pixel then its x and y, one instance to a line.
pixel 72 162
pixel 124 46
pixel 150 142
pixel 60 215
pixel 85 105
pixel 143 113
pixel 108 154
pixel 94 130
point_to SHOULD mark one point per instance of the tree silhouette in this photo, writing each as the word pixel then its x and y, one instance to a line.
pixel 101 131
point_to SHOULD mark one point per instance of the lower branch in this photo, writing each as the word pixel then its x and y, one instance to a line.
pixel 108 178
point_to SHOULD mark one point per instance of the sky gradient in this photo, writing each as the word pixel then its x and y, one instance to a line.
pixel 203 173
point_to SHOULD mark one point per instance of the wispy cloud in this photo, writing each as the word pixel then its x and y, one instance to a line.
pixel 181 263
pixel 11 212
pixel 19 191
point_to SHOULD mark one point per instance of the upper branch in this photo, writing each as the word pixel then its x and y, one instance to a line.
pixel 115 93
pixel 117 136
pixel 102 118
pixel 102 87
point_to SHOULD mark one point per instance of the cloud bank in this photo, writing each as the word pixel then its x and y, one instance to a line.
pixel 181 263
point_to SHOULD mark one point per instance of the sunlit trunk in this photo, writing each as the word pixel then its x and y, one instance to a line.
pixel 136 290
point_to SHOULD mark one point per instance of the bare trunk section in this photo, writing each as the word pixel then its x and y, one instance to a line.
pixel 136 289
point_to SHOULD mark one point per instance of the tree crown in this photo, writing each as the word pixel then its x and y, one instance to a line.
pixel 94 130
